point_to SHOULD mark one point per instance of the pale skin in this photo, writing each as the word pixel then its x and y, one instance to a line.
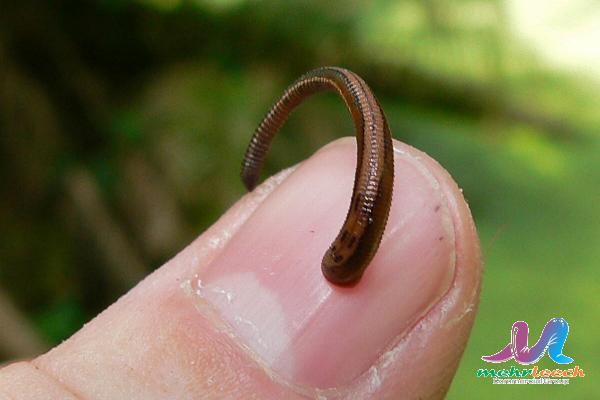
pixel 153 343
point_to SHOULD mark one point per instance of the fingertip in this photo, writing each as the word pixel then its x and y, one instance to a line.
pixel 268 288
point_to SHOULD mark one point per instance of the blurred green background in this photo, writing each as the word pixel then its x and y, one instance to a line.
pixel 123 124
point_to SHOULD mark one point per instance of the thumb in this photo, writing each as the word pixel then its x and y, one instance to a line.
pixel 244 311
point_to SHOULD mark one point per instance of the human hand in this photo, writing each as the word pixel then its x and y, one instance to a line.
pixel 244 311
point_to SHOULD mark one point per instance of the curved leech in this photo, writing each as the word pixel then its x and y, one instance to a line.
pixel 358 240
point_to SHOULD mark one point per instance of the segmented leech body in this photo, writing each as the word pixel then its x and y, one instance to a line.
pixel 351 252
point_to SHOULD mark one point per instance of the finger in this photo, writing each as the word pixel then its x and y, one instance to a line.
pixel 256 318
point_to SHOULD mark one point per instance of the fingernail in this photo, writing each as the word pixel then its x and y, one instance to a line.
pixel 268 289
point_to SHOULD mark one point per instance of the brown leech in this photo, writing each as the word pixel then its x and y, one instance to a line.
pixel 351 252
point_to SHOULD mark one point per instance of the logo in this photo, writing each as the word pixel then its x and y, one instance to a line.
pixel 552 340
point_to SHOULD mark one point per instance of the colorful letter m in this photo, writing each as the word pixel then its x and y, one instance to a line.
pixel 553 339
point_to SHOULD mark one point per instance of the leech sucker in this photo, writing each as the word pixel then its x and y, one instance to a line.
pixel 351 252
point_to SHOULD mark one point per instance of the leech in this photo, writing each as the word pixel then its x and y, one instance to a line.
pixel 351 252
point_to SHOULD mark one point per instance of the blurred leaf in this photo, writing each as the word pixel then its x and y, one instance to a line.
pixel 60 319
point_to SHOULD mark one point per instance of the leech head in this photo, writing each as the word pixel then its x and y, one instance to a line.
pixel 338 270
pixel 351 252
pixel 341 263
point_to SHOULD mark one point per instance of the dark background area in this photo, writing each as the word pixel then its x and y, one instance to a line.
pixel 123 125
